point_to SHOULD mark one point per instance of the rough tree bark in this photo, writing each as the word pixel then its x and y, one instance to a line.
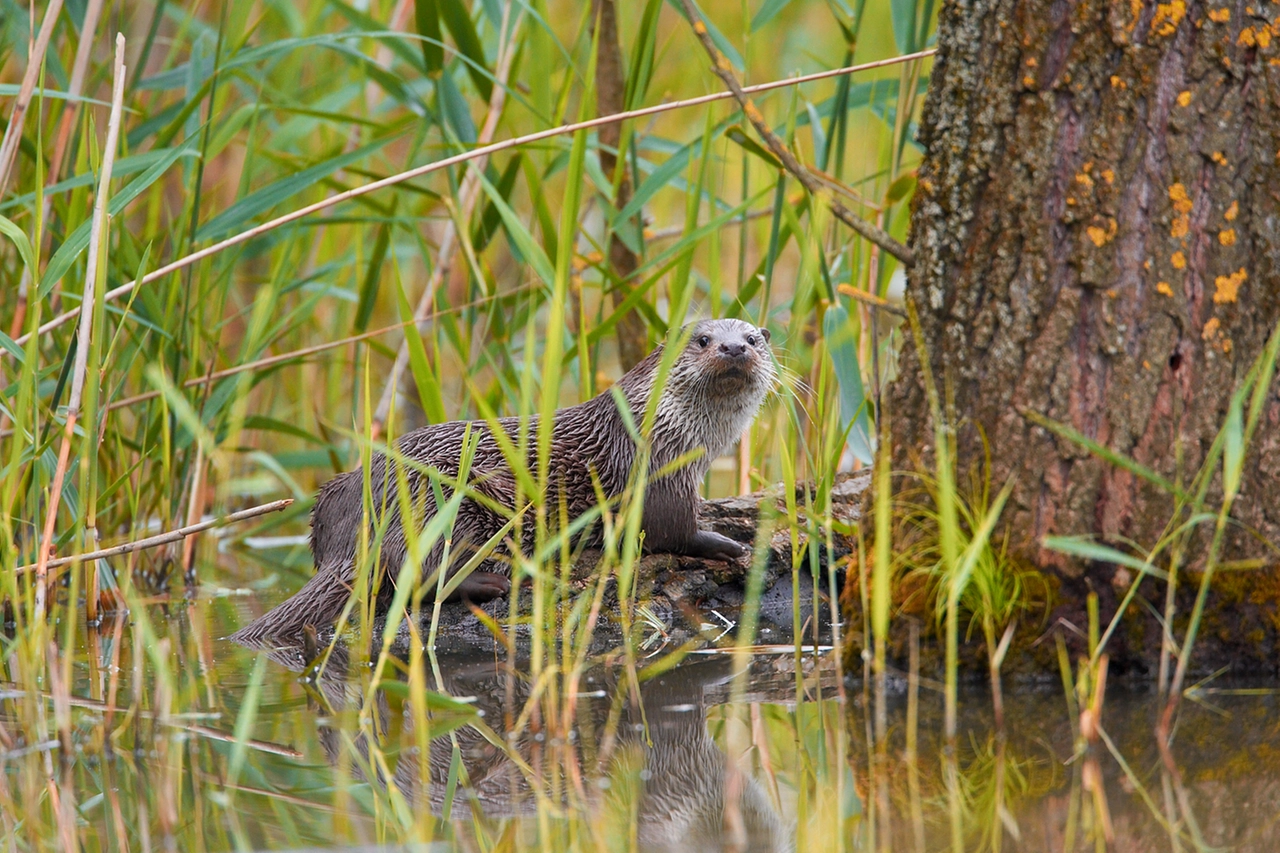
pixel 1097 238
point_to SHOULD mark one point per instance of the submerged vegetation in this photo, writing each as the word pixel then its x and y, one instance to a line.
pixel 247 246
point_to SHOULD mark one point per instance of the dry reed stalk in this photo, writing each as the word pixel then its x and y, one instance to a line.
pixel 871 299
pixel 35 62
pixel 98 232
pixel 166 537
pixel 482 151
pixel 95 585
pixel 468 195
pixel 724 70
pixel 195 508
pixel 64 794
pixel 88 30
pixel 373 93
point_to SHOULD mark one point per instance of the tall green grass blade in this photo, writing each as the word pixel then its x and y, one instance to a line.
pixel 1086 549
pixel 1233 447
pixel 738 135
pixel 640 69
pixel 1104 453
pixel 423 377
pixel 427 18
pixel 455 15
pixel 839 335
pixel 520 237
pixel 768 10
pixel 78 241
pixel 455 110
pixel 903 14
pixel 20 242
pixel 372 277
pixel 239 215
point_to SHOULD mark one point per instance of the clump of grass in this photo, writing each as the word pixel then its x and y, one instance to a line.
pixel 999 590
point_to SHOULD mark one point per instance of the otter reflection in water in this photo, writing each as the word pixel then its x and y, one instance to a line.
pixel 663 744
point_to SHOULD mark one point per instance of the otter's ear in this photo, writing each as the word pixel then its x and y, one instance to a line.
pixel 766 334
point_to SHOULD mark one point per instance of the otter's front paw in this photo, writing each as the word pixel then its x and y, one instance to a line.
pixel 710 545
pixel 480 587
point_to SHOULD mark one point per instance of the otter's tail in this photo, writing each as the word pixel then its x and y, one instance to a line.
pixel 318 603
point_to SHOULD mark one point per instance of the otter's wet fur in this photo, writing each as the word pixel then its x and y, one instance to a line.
pixel 712 392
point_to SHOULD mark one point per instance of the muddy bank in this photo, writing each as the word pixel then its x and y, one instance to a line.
pixel 1239 635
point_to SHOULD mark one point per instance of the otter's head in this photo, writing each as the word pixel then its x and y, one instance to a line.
pixel 727 360
pixel 715 386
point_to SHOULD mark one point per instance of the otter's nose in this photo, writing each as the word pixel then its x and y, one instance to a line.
pixel 733 349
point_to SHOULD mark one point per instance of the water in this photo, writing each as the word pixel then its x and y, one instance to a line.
pixel 212 746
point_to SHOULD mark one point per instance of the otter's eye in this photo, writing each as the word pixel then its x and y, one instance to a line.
pixel 751 340
pixel 704 341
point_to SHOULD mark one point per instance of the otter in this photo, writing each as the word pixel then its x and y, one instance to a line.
pixel 712 392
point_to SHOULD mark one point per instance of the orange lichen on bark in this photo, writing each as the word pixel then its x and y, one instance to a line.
pixel 1168 16
pixel 1181 201
pixel 1226 287
pixel 1102 236
pixel 1108 176
pixel 1219 158
pixel 1184 98
pixel 1210 329
pixel 1232 212
pixel 1178 260
pixel 1247 38
pixel 1227 237
pixel 1220 16
pixel 1181 224
pixel 1163 287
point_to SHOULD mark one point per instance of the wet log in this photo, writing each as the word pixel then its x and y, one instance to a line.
pixel 684 597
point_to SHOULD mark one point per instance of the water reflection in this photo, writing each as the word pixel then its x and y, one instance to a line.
pixel 167 738
pixel 650 762
pixel 1036 787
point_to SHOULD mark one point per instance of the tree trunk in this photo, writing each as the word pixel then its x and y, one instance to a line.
pixel 611 86
pixel 1098 241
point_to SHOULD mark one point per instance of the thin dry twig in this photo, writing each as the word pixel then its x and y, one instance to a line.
pixel 724 70
pixel 483 151
pixel 872 299
pixel 99 230
pixel 166 537
pixel 88 30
